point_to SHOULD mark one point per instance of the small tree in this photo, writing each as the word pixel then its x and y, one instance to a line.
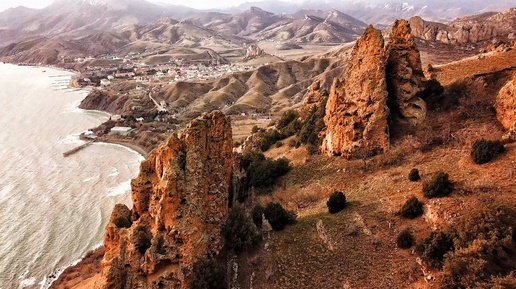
pixel 278 217
pixel 336 202
pixel 207 275
pixel 239 232
pixel 484 151
pixel 257 215
pixel 412 208
pixel 405 239
pixel 433 248
pixel 438 186
pixel 414 175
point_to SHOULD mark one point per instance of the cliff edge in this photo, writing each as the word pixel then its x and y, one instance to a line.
pixel 180 203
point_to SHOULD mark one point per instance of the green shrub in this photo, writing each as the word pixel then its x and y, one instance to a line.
pixel 485 249
pixel 287 117
pixel 289 123
pixel 207 275
pixel 239 232
pixel 251 157
pixel 263 173
pixel 405 239
pixel 433 248
pixel 268 138
pixel 412 208
pixel 438 186
pixel 336 202
pixel 484 151
pixel 414 175
pixel 278 217
pixel 279 144
pixel 255 129
pixel 257 215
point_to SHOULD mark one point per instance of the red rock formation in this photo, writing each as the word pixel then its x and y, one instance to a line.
pixel 180 203
pixel 356 112
pixel 405 77
pixel 505 106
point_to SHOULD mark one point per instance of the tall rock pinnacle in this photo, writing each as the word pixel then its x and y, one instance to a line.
pixel 180 203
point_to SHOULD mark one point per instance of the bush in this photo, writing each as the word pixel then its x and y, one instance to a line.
pixel 414 175
pixel 412 208
pixel 239 232
pixel 336 202
pixel 438 186
pixel 251 157
pixel 279 144
pixel 485 249
pixel 405 239
pixel 257 215
pixel 287 117
pixel 484 151
pixel 263 173
pixel 433 248
pixel 207 275
pixel 278 217
pixel 268 138
pixel 255 129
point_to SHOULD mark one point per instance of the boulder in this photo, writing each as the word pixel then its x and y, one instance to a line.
pixel 505 106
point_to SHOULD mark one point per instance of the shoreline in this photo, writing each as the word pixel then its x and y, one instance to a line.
pixel 88 265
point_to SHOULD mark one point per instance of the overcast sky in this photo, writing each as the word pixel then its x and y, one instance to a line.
pixel 4 4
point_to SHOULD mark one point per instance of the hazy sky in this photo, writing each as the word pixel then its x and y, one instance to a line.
pixel 4 4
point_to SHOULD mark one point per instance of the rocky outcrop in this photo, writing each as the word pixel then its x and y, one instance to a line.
pixel 253 52
pixel 405 77
pixel 505 106
pixel 356 112
pixel 473 29
pixel 180 203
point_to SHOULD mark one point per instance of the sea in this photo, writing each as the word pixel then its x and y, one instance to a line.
pixel 52 209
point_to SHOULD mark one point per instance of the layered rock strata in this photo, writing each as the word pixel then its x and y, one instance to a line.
pixel 356 111
pixel 405 77
pixel 180 203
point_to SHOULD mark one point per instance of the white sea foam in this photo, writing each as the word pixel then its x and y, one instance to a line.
pixel 121 189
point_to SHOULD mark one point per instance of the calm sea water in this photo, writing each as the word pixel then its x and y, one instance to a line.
pixel 52 209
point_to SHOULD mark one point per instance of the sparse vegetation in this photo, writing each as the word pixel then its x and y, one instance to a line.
pixel 412 208
pixel 405 239
pixel 336 202
pixel 483 151
pixel 438 186
pixel 207 275
pixel 313 124
pixel 278 217
pixel 239 232
pixel 485 250
pixel 433 248
pixel 414 175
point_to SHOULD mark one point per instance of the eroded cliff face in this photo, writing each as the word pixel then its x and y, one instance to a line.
pixel 465 30
pixel 405 77
pixel 505 106
pixel 180 203
pixel 356 111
